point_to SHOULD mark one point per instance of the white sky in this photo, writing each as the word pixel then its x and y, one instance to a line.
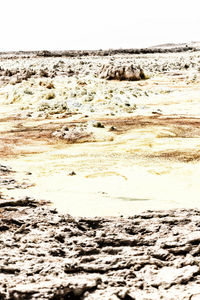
pixel 95 24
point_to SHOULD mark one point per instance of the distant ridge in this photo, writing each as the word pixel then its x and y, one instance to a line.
pixel 164 48
pixel 172 45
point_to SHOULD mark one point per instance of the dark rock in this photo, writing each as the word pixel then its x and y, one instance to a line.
pixel 5 169
pixel 98 125
pixel 72 173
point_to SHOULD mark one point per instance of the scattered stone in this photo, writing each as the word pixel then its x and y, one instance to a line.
pixel 50 85
pixel 72 173
pixel 5 169
pixel 98 125
pixel 112 128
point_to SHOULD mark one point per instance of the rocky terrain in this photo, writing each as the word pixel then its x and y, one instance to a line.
pixel 46 255
pixel 89 140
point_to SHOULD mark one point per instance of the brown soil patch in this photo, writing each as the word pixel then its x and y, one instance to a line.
pixel 22 134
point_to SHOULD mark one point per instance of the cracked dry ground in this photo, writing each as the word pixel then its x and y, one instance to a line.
pixel 46 255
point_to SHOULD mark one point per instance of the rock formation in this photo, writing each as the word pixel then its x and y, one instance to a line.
pixel 121 72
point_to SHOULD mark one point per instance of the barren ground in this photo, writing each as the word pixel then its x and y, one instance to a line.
pixel 152 155
pixel 103 152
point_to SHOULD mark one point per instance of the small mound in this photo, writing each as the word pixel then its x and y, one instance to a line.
pixel 111 72
pixel 84 133
pixel 78 134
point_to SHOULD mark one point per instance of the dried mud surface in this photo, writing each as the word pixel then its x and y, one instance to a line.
pixel 46 255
